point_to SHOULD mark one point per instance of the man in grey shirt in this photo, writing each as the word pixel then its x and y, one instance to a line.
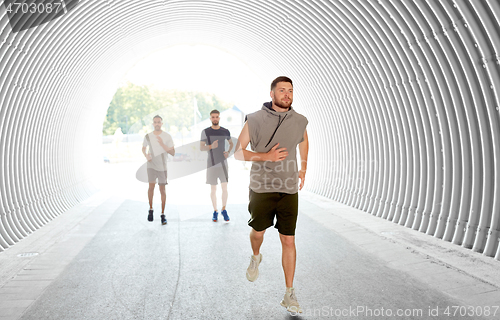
pixel 160 144
pixel 274 132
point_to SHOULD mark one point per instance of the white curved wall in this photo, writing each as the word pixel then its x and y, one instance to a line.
pixel 401 96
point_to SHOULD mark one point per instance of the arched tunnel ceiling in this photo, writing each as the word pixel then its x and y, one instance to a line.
pixel 401 97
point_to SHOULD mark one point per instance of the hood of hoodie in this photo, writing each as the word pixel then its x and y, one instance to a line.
pixel 268 106
pixel 279 116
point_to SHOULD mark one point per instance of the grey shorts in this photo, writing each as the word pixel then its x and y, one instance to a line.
pixel 155 174
pixel 217 172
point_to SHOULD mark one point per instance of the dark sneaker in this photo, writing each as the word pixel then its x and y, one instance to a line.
pixel 224 214
pixel 214 217
pixel 150 215
pixel 163 219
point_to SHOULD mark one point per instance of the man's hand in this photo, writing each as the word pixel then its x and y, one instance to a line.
pixel 160 140
pixel 226 154
pixel 215 144
pixel 276 154
pixel 302 177
pixel 148 156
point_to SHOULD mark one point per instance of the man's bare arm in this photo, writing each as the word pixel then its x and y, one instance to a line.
pixel 231 145
pixel 171 151
pixel 274 154
pixel 303 150
pixel 205 147
pixel 147 155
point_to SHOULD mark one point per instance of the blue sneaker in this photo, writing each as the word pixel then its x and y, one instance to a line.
pixel 224 214
pixel 214 218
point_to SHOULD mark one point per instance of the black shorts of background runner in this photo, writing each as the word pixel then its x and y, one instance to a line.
pixel 263 207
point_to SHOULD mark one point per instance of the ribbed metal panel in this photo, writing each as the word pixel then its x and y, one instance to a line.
pixel 401 95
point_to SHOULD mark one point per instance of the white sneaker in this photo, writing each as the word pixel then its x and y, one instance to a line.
pixel 253 268
pixel 290 302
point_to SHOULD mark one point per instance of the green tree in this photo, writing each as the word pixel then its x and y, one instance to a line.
pixel 133 104
pixel 128 106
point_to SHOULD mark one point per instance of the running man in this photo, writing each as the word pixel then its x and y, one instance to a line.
pixel 213 140
pixel 160 143
pixel 274 133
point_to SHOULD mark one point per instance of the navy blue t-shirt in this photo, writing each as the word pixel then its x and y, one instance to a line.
pixel 209 135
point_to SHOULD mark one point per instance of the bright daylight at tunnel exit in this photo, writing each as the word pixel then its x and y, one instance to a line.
pixel 191 159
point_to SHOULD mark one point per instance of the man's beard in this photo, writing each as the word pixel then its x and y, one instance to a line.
pixel 215 123
pixel 283 105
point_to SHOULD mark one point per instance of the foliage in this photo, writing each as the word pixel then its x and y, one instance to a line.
pixel 133 107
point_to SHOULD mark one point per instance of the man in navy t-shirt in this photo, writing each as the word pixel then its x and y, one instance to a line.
pixel 213 139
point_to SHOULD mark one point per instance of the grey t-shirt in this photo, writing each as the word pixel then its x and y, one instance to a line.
pixel 158 153
pixel 267 128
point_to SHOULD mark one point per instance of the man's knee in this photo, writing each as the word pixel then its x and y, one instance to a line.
pixel 152 186
pixel 287 241
pixel 162 190
pixel 257 234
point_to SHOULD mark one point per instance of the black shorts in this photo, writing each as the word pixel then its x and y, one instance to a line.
pixel 217 172
pixel 155 174
pixel 264 206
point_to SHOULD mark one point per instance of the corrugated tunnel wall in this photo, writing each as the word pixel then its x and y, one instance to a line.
pixel 401 97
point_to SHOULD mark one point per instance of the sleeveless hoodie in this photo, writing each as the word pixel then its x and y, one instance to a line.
pixel 268 127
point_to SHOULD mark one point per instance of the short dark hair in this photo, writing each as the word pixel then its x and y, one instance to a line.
pixel 157 116
pixel 214 111
pixel 280 79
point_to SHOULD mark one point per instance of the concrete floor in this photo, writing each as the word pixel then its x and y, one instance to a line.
pixel 104 260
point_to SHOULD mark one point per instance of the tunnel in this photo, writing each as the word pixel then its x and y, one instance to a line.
pixel 401 98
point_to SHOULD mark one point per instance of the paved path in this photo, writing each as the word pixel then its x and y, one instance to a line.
pixel 134 269
pixel 111 263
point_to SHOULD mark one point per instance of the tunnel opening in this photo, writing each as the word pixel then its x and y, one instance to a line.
pixel 182 84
